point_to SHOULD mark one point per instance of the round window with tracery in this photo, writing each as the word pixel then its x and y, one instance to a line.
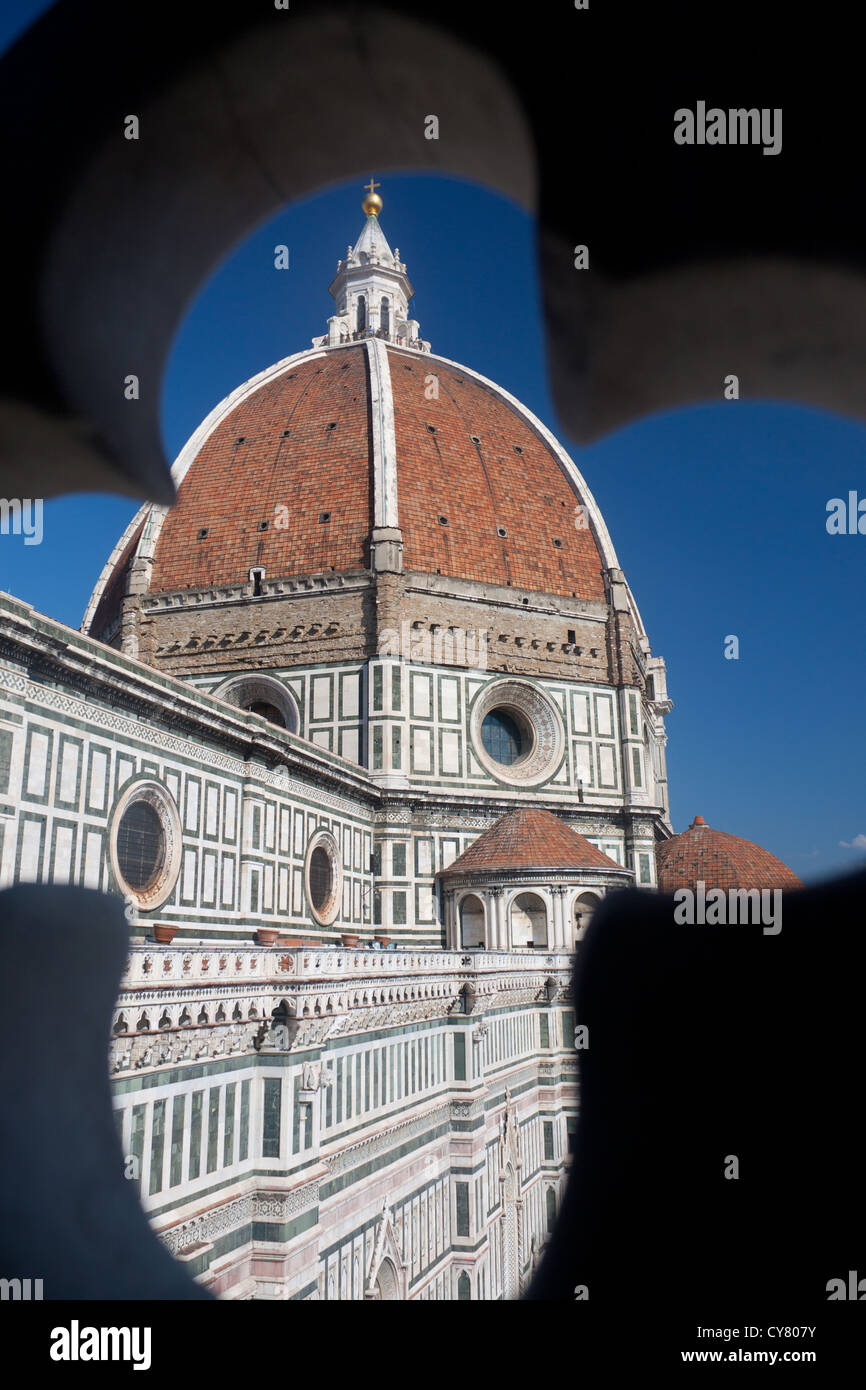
pixel 145 844
pixel 321 878
pixel 517 732
pixel 324 877
pixel 140 846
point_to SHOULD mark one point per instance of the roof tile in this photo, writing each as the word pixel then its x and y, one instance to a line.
pixel 529 838
pixel 718 860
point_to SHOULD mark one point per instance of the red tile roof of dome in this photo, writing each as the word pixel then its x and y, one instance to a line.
pixel 468 468
pixel 302 441
pixel 530 838
pixel 718 860
pixel 299 441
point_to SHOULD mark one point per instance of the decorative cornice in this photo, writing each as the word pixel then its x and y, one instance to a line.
pixel 239 1212
pixel 219 595
pixel 365 1149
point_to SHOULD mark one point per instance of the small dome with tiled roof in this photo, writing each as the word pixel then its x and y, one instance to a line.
pixel 529 838
pixel 718 860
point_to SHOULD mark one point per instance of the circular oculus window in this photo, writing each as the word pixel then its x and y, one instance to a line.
pixel 323 877
pixel 517 732
pixel 262 695
pixel 505 737
pixel 144 844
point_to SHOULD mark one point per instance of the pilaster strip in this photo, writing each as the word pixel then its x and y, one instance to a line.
pixel 384 436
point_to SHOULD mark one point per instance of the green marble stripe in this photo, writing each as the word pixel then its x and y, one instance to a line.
pixel 304 1292
pixel 365 1170
pixel 280 1233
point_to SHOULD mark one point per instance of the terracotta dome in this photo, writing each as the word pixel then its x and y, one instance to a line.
pixel 281 476
pixel 530 838
pixel 718 860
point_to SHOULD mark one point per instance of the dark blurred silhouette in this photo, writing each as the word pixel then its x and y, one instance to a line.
pixel 68 1215
pixel 703 261
pixel 704 1043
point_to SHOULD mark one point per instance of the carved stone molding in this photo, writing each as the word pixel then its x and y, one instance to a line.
pixel 540 723
pixel 369 1148
pixel 240 1211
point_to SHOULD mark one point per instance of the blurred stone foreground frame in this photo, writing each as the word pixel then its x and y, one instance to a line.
pixel 699 268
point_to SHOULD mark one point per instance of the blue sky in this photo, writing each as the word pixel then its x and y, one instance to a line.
pixel 717 512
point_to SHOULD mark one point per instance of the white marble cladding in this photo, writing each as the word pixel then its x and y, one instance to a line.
pixel 372 1138
pixel 409 1213
pixel 68 753
pixel 368 1161
pixel 421 727
pixel 180 1008
pixel 330 700
pixel 324 964
pixel 67 761
pixel 413 722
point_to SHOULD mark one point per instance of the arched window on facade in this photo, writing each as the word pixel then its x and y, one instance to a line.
pixel 385 315
pixel 267 711
pixel 362 313
pixel 550 1201
pixel 262 695
pixel 584 907
pixel 386 1285
pixel 528 920
pixel 471 921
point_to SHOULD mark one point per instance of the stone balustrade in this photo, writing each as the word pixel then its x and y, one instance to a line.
pixel 170 989
pixel 152 966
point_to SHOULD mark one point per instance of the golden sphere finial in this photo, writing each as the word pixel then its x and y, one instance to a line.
pixel 372 204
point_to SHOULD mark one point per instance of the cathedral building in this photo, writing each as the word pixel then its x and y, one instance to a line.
pixel 362 729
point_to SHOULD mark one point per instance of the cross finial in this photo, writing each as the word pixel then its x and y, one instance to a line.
pixel 372 203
